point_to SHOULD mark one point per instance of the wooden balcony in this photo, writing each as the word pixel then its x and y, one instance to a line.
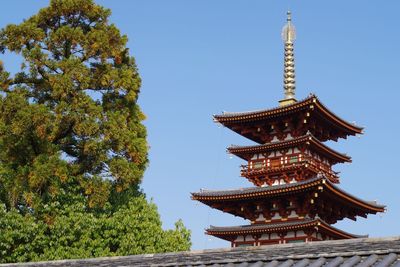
pixel 276 166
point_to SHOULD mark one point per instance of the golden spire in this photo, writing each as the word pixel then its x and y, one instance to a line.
pixel 289 82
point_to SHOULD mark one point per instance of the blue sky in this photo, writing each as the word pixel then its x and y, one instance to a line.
pixel 199 58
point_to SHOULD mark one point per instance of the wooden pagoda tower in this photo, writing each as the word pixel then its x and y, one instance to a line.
pixel 295 197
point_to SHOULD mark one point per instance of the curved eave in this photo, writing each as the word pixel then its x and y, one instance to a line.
pixel 209 197
pixel 232 117
pixel 246 152
pixel 254 192
pixel 370 206
pixel 346 125
pixel 228 119
pixel 273 228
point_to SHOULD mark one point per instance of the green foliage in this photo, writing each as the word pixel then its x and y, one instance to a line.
pixel 73 147
pixel 73 233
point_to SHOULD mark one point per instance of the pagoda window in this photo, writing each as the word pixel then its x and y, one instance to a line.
pixel 277 153
pixel 275 163
pixel 296 150
pixel 257 164
pixel 254 157
pixel 293 159
pixel 275 139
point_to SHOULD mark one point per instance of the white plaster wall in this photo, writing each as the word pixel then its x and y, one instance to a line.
pixel 249 238
pixel 290 234
pixel 293 214
pixel 239 239
pixel 260 218
pixel 276 216
pixel 274 236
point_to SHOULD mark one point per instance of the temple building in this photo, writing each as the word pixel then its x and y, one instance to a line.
pixel 295 197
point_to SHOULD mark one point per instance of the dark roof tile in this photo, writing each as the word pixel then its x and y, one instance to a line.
pixel 377 252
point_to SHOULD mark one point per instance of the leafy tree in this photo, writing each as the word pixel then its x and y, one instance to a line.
pixel 71 112
pixel 74 233
pixel 73 149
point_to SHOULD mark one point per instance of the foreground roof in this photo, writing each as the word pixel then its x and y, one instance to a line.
pixel 361 252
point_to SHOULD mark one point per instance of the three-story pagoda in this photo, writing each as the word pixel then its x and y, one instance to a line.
pixel 295 197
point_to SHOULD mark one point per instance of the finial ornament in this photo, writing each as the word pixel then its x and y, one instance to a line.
pixel 289 82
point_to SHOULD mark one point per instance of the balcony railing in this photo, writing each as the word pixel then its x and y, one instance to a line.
pixel 275 164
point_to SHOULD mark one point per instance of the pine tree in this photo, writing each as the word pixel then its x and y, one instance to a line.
pixel 71 132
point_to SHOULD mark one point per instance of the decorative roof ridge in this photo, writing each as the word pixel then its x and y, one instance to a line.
pixel 255 189
pixel 240 113
pixel 295 140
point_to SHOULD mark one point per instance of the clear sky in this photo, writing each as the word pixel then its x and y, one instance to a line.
pixel 199 58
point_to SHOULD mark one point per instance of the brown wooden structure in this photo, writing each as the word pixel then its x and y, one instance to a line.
pixel 295 197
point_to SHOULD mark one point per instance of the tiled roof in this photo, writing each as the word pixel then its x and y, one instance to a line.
pixel 250 150
pixel 230 117
pixel 254 192
pixel 246 194
pixel 258 226
pixel 250 190
pixel 270 111
pixel 279 226
pixel 360 252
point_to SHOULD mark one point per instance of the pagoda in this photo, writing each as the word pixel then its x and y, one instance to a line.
pixel 295 197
